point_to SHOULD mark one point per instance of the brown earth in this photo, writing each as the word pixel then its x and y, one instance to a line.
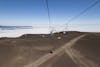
pixel 21 51
pixel 89 47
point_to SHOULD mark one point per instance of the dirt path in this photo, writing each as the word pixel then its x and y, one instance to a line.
pixel 78 58
pixel 48 56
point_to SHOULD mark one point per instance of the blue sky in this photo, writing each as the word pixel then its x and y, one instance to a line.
pixel 33 12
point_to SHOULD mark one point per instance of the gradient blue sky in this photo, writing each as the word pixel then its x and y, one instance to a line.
pixel 33 12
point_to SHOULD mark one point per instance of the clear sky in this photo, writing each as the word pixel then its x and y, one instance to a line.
pixel 33 12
